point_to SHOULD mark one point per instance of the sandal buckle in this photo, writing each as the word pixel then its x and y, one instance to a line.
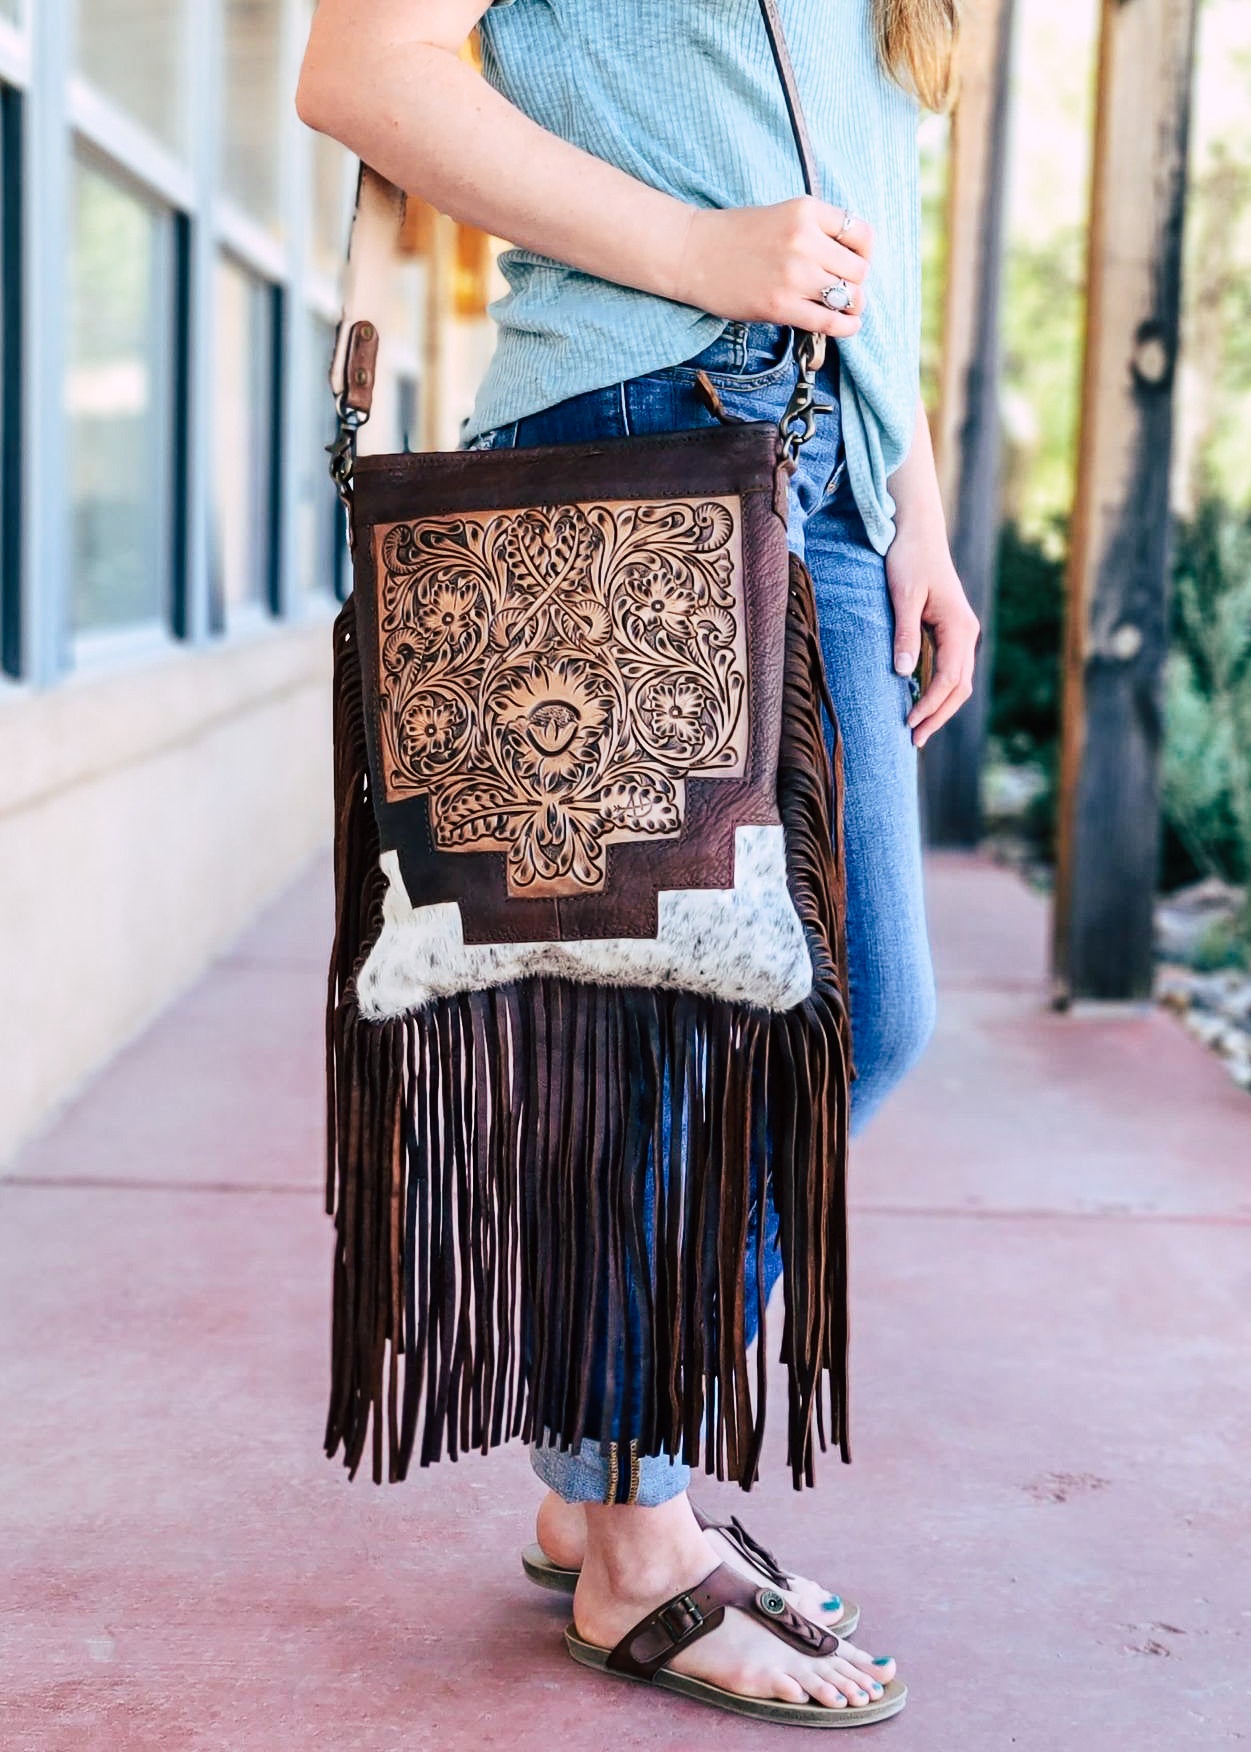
pixel 681 1616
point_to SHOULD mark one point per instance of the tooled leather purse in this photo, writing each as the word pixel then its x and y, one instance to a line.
pixel 587 992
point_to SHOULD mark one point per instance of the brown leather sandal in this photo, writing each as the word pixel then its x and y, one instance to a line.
pixel 546 1574
pixel 644 1653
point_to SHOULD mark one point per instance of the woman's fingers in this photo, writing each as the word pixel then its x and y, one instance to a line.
pixel 941 700
pixel 769 264
pixel 952 681
pixel 803 260
pixel 806 310
pixel 819 319
pixel 818 314
pixel 854 296
pixel 845 263
pixel 907 605
pixel 854 233
pixel 955 651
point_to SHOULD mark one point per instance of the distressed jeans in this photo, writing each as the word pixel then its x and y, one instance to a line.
pixel 890 974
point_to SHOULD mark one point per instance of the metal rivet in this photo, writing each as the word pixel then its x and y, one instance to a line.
pixel 771 1602
pixel 360 375
pixel 367 331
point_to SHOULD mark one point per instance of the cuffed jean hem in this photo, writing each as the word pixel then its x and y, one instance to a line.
pixel 610 1474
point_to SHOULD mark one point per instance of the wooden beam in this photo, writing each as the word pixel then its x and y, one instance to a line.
pixel 440 258
pixel 967 439
pixel 472 272
pixel 417 229
pixel 1117 627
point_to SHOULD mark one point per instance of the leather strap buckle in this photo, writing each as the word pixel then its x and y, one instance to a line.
pixel 681 1616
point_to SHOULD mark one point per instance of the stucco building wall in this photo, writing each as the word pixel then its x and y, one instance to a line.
pixel 145 816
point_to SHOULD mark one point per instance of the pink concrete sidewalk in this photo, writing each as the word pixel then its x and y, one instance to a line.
pixel 1048 1520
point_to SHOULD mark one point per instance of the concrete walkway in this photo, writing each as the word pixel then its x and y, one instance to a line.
pixel 1048 1520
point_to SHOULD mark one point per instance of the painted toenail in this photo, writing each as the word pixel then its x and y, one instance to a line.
pixel 832 1604
pixel 876 1689
pixel 883 1660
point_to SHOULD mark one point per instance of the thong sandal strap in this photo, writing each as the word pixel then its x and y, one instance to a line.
pixel 681 1621
pixel 758 1556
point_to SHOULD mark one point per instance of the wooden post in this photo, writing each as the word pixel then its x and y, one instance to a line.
pixel 967 438
pixel 472 272
pixel 1117 627
pixel 438 303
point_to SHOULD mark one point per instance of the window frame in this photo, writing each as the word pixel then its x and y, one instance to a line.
pixel 92 647
pixel 12 314
pixel 268 299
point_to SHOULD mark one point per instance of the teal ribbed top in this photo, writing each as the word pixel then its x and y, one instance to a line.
pixel 683 95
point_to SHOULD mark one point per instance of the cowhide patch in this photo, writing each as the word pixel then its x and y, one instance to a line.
pixel 743 944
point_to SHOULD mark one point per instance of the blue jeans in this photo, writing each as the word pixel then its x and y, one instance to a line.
pixel 890 974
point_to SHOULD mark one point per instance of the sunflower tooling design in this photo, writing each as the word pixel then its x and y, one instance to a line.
pixel 549 678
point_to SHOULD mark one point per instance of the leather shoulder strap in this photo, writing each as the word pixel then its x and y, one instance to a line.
pixel 790 91
pixel 380 210
pixel 376 221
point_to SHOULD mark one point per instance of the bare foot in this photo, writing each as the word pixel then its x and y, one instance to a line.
pixel 636 1559
pixel 560 1529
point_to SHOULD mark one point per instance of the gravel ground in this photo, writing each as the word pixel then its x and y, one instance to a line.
pixel 1194 928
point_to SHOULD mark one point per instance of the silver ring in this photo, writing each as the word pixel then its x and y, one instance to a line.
pixel 839 295
pixel 849 219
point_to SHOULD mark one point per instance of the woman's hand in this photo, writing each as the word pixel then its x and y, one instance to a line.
pixel 769 264
pixel 926 592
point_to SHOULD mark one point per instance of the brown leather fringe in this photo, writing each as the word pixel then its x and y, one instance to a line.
pixel 493 1157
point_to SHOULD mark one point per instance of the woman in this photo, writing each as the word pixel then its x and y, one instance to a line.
pixel 639 155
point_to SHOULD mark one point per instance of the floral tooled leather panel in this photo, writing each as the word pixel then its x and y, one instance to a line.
pixel 549 678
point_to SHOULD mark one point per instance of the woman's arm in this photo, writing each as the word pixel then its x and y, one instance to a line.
pixel 925 590
pixel 386 78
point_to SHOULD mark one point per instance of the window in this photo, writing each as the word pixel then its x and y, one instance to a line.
pixel 256 102
pixel 162 466
pixel 10 380
pixel 118 405
pixel 135 52
pixel 244 441
pixel 322 534
pixel 408 412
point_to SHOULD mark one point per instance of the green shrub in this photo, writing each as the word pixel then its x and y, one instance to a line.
pixel 1025 685
pixel 1207 745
